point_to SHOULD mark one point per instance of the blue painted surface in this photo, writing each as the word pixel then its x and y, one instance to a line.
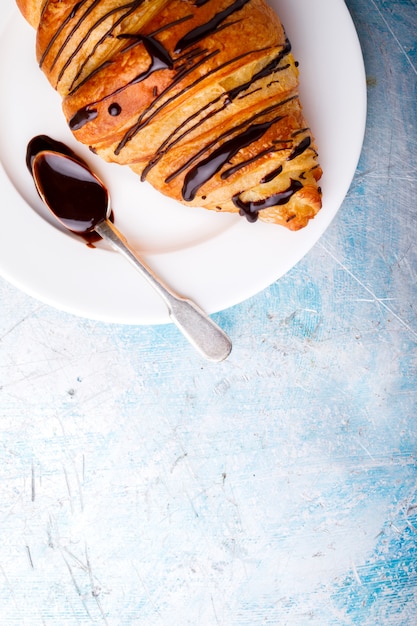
pixel 141 485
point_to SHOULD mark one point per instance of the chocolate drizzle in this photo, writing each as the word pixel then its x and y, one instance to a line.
pixel 125 11
pixel 62 27
pixel 235 168
pixel 115 109
pixel 160 57
pixel 148 114
pixel 87 114
pixel 271 175
pixel 270 68
pixel 244 125
pixel 200 32
pixel 230 95
pixel 250 210
pixel 160 60
pixel 227 97
pixel 302 147
pixel 209 166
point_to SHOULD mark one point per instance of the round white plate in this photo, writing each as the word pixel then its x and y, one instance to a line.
pixel 217 260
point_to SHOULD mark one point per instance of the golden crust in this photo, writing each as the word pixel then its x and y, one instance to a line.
pixel 202 101
pixel 31 10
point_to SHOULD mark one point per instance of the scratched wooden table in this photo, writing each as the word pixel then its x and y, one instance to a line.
pixel 141 485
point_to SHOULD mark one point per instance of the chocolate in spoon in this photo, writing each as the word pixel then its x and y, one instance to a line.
pixel 81 202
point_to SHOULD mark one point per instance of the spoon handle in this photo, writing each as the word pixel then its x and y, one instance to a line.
pixel 200 330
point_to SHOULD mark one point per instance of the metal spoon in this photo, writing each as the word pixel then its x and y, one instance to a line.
pixel 81 202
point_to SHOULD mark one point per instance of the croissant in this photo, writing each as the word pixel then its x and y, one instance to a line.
pixel 198 97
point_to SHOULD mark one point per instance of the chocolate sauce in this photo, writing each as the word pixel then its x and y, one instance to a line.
pixel 148 114
pixel 74 10
pixel 272 175
pixel 160 60
pixel 204 30
pixel 124 10
pixel 256 116
pixel 43 143
pixel 209 166
pixel 87 114
pixel 59 31
pixel 71 191
pixel 302 147
pixel 250 210
pixel 270 68
pixel 176 136
pixel 115 109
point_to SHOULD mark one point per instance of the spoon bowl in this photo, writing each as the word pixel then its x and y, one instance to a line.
pixel 71 191
pixel 81 203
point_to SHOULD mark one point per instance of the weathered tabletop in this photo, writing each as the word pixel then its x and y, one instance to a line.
pixel 143 485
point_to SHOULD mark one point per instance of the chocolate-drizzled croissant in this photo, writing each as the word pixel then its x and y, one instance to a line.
pixel 199 97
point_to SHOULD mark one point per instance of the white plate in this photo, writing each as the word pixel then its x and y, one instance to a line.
pixel 218 260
